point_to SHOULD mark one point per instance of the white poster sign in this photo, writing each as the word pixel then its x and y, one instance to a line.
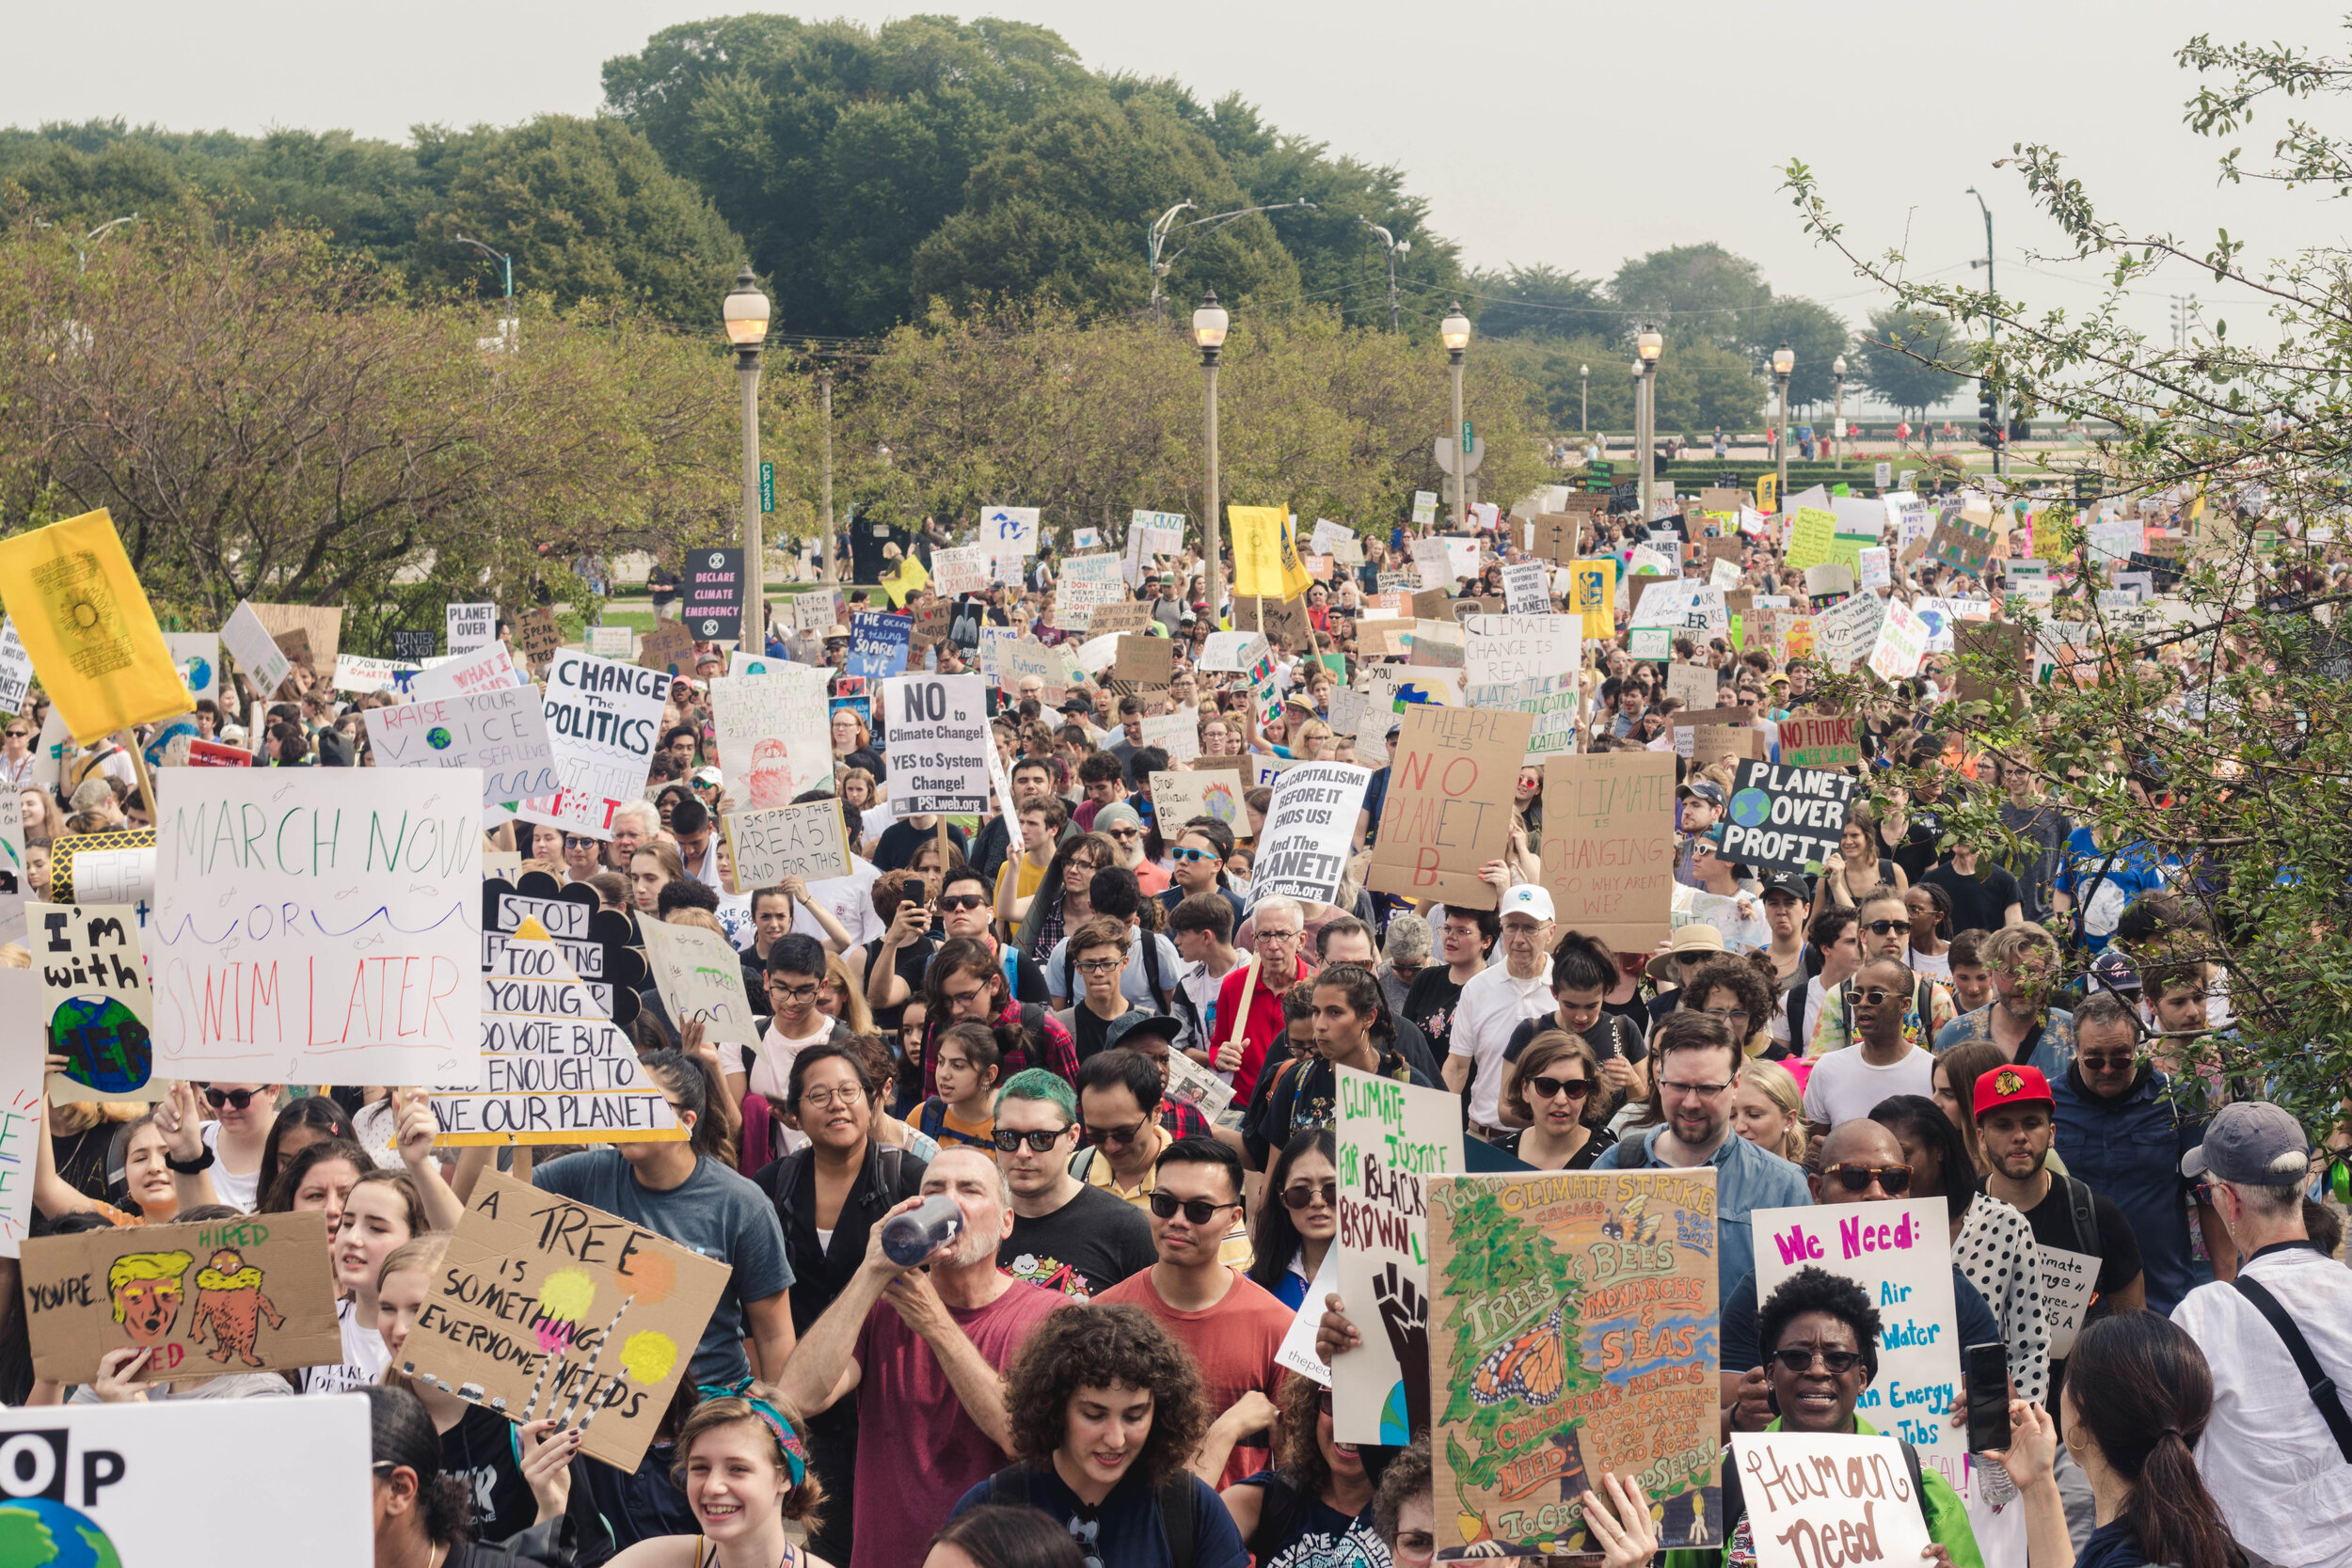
pixel 255 650
pixel 1527 588
pixel 610 642
pixel 2068 1279
pixel 699 978
pixel 772 738
pixel 503 732
pixel 16 669
pixel 939 744
pixel 1233 650
pixel 1178 733
pixel 1009 532
pixel 196 653
pixel 471 626
pixel 356 673
pixel 1845 633
pixel 22 1073
pixel 1084 582
pixel 1302 852
pixel 1903 642
pixel 1506 649
pixel 1877 567
pixel 806 841
pixel 486 669
pixel 1393 1137
pixel 604 717
pixel 325 934
pixel 961 571
pixel 1817 1497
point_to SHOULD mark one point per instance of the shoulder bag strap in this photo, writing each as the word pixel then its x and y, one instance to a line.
pixel 1176 1520
pixel 2316 1383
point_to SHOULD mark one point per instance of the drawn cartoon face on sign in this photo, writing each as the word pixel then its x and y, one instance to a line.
pixel 145 1287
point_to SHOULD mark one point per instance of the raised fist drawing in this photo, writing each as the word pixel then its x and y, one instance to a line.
pixel 1405 1314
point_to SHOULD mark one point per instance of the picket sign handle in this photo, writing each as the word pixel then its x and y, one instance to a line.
pixel 1240 1013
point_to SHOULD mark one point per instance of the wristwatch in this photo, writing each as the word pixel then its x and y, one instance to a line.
pixel 189 1167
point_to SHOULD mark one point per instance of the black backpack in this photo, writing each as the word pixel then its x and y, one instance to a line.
pixel 1009 1487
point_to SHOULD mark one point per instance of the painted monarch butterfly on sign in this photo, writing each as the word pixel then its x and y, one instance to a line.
pixel 1532 1366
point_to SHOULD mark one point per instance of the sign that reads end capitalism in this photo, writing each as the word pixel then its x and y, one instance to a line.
pixel 1786 819
pixel 714 593
pixel 939 743
pixel 1302 852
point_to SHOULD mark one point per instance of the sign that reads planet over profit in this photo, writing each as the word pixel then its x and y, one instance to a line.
pixel 1786 819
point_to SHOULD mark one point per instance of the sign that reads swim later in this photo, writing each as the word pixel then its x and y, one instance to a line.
pixel 1786 819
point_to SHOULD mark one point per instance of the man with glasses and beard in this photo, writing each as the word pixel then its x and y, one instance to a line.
pixel 2025 964
pixel 1068 1236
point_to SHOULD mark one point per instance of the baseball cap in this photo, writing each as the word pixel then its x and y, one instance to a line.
pixel 2251 1141
pixel 2113 971
pixel 1141 1023
pixel 2011 1086
pixel 1076 703
pixel 1526 898
pixel 1788 882
pixel 1704 790
pixel 709 776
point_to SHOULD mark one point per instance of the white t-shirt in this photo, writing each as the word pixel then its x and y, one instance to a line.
pixel 238 1192
pixel 1843 1086
pixel 1491 1006
pixel 365 1356
pixel 1936 966
pixel 849 900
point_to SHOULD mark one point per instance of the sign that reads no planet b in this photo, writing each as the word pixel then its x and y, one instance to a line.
pixel 1786 819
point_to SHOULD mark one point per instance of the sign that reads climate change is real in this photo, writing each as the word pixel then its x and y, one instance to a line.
pixel 1786 819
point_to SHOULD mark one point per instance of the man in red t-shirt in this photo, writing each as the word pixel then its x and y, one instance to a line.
pixel 1280 925
pixel 1231 1324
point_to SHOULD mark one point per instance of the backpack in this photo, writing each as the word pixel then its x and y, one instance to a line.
pixel 1009 1486
pixel 889 1168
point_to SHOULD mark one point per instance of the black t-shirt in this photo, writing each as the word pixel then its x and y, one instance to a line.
pixel 480 1451
pixel 1086 1246
pixel 1980 903
pixel 1607 1037
pixel 895 850
pixel 1088 1029
pixel 911 960
pixel 1430 1004
pixel 2052 1222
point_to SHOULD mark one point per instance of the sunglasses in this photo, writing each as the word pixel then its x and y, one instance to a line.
pixel 1200 1211
pixel 1552 1088
pixel 1307 1193
pixel 1006 1140
pixel 1893 1179
pixel 961 901
pixel 1800 1359
pixel 1877 994
pixel 2103 1063
pixel 1887 927
pixel 239 1098
pixel 1185 854
pixel 1120 1135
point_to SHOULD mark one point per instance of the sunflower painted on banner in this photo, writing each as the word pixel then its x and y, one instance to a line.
pixel 81 613
pixel 1266 562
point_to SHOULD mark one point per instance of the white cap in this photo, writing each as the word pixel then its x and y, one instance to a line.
pixel 1526 898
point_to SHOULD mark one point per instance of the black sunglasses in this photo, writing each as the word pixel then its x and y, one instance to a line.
pixel 1800 1359
pixel 1006 1140
pixel 217 1098
pixel 1308 1193
pixel 1552 1089
pixel 1893 1179
pixel 1200 1211
pixel 1887 927
pixel 961 901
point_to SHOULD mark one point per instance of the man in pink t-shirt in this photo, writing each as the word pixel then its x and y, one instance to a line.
pixel 926 1353
pixel 1231 1324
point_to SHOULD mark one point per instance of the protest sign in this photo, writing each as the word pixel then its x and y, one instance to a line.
pixel 603 718
pixel 490 669
pixel 1901 1253
pixel 1815 1498
pixel 195 654
pixel 546 1299
pixel 1497 649
pixel 317 935
pixel 1163 531
pixel 1283 618
pixel 212 753
pixel 1877 567
pixel 554 1067
pixel 1958 547
pixel 322 624
pixel 1847 631
pixel 100 1486
pixel 1903 642
pixel 1785 818
pixel 939 744
pixel 1694 684
pixel 1449 803
pixel 538 637
pixel 113 867
pixel 804 841
pixel 95 1008
pixel 1303 850
pixel 501 732
pixel 716 587
pixel 1552 700
pixel 80 610
pixel 16 669
pixel 1828 580
pixel 1650 643
pixel 470 627
pixel 955 572
pixel 1121 615
pixel 1527 588
pixel 1009 530
pixel 364 675
pixel 1392 1139
pixel 1178 733
pixel 609 642
pixel 1809 538
pixel 600 944
pixel 773 743
pixel 699 978
pixel 1232 650
pixel 21 1069
pixel 15 873
pixel 1593 594
pixel 2068 1280
pixel 1573 1332
pixel 667 647
pixel 1083 583
pixel 1296 1353
pixel 879 644
pixel 1607 846
pixel 1030 658
pixel 1993 658
pixel 1145 660
pixel 254 1293
pixel 1810 739
pixel 813 612
pixel 1178 798
pixel 408 647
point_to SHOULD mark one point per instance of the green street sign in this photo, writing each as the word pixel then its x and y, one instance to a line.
pixel 1466 437
pixel 767 487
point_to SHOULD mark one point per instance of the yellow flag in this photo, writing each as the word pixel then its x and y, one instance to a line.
pixel 1594 596
pixel 1265 554
pixel 85 619
pixel 911 576
pixel 1767 492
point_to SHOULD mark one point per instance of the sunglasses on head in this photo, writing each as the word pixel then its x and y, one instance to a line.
pixel 1200 1211
pixel 1006 1140
pixel 239 1098
pixel 1892 1180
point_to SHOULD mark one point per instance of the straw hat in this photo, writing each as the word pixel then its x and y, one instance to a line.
pixel 1690 940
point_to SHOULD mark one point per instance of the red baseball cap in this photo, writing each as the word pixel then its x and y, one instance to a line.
pixel 2012 1086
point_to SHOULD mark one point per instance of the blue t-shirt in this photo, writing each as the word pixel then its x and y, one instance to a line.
pixel 1320 1536
pixel 2101 898
pixel 1125 1532
pixel 714 1211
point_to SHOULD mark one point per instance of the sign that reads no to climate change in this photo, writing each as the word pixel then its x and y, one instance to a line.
pixel 1786 819
pixel 939 743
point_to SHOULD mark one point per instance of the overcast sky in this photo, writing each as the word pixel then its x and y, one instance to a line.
pixel 1573 136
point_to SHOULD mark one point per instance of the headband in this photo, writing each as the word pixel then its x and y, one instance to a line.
pixel 788 1441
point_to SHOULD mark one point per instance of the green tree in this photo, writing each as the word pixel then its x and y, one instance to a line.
pixel 1906 356
pixel 1701 386
pixel 1540 302
pixel 1813 333
pixel 1692 291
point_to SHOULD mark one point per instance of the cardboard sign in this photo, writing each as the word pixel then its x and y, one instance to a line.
pixel 1695 684
pixel 1449 804
pixel 1607 845
pixel 1029 657
pixel 667 647
pixel 1820 1497
pixel 1178 733
pixel 1178 798
pixel 1960 548
pixel 939 744
pixel 1786 819
pixel 1986 649
pixel 879 644
pixel 699 978
pixel 503 733
pixel 254 1293
pixel 1574 1333
pixel 1708 744
pixel 1121 615
pixel 1144 660
pixel 1499 649
pixel 322 624
pixel 1283 618
pixel 1829 740
pixel 2068 1282
pixel 471 628
pixel 1393 1139
pixel 773 733
pixel 117 866
pixel 931 621
pixel 805 840
pixel 95 1005
pixel 1303 850
pixel 545 1301
pixel 716 590
pixel 538 637
pixel 317 935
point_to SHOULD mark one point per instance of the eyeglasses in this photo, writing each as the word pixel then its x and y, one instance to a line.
pixel 1305 1194
pixel 1099 966
pixel 1887 927
pixel 1126 835
pixel 1692 1091
pixel 1876 994
pixel 578 841
pixel 1200 1211
pixel 239 1098
pixel 961 901
pixel 1727 1014
pixel 1277 936
pixel 847 1094
pixel 791 993
pixel 1892 1180
pixel 1800 1359
pixel 959 998
pixel 1008 1140
pixel 1122 1136
pixel 1185 854
pixel 1552 1088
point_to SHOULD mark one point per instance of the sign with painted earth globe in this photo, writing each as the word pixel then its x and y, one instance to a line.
pixel 36 1532
pixel 437 738
pixel 1750 808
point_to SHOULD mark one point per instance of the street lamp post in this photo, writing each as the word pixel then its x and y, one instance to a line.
pixel 1209 325
pixel 1991 331
pixel 1455 332
pixel 1585 398
pixel 1650 343
pixel 507 322
pixel 746 316
pixel 1782 362
pixel 1838 414
pixel 1396 248
pixel 824 397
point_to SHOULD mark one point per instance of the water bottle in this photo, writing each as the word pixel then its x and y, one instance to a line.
pixel 909 1238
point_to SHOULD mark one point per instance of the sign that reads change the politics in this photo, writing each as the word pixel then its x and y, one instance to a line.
pixel 603 718
pixel 1786 819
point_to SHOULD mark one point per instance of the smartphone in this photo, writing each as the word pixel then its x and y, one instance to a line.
pixel 1985 1371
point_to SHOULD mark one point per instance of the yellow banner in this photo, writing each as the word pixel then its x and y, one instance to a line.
pixel 1265 553
pixel 911 576
pixel 1594 596
pixel 82 616
pixel 1767 492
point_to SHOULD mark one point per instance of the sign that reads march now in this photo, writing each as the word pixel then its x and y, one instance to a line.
pixel 1786 819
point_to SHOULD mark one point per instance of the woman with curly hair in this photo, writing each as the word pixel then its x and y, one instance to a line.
pixel 745 1473
pixel 1314 1506
pixel 1106 1408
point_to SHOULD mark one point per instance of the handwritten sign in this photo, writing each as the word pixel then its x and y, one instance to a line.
pixel 1393 1138
pixel 21 1069
pixel 1786 819
pixel 879 644
pixel 1500 648
pixel 1010 530
pixel 114 866
pixel 957 572
pixel 255 650
pixel 804 841
pixel 2068 1281
pixel 1903 642
pixel 16 668
pixel 1824 1497
pixel 699 978
pixel 1449 803
pixel 504 733
pixel 1810 740
pixel 469 628
pixel 96 1008
pixel 603 718
pixel 773 736
pixel 492 669
pixel 1574 1333
pixel 1607 846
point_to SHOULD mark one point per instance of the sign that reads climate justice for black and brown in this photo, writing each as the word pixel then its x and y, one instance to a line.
pixel 1786 819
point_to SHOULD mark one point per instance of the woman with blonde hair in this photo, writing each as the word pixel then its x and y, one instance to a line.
pixel 744 1470
pixel 1768 1110
pixel 857 788
pixel 1856 865
pixel 841 998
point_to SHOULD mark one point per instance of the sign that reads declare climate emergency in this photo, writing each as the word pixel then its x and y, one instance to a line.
pixel 1786 819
